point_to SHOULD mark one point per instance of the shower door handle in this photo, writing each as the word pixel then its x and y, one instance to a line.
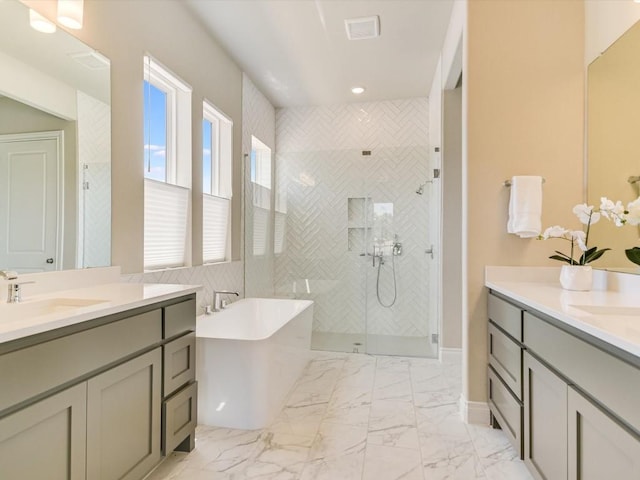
pixel 429 251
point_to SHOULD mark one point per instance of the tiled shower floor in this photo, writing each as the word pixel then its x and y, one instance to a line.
pixel 374 344
pixel 354 416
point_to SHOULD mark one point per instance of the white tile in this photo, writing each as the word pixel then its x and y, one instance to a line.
pixel 345 467
pixel 393 424
pixel 349 429
pixel 280 456
pixel 389 463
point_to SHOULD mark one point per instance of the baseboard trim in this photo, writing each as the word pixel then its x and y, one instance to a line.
pixel 450 355
pixel 476 413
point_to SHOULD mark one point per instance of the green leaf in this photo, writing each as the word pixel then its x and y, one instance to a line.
pixel 562 259
pixel 563 255
pixel 633 254
pixel 595 255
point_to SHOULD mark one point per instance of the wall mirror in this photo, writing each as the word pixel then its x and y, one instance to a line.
pixel 55 148
pixel 613 142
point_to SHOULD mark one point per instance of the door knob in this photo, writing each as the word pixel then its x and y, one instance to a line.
pixel 49 260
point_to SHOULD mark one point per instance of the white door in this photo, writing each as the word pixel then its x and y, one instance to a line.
pixel 31 201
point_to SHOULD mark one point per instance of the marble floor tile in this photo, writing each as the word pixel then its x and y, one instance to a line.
pixel 350 405
pixel 279 456
pixel 345 467
pixel 393 424
pixel 357 417
pixel 460 467
pixel 389 385
pixel 335 440
pixel 390 463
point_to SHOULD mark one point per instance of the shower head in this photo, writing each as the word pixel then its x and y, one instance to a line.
pixel 420 189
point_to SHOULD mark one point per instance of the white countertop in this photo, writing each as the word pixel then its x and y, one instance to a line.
pixel 541 291
pixel 18 320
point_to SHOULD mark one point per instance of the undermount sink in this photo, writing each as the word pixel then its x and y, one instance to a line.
pixel 609 310
pixel 47 306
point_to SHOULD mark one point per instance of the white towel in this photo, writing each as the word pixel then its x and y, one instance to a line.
pixel 525 206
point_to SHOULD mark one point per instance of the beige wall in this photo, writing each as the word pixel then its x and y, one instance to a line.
pixel 524 80
pixel 125 31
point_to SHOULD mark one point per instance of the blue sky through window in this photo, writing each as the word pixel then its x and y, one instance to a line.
pixel 155 133
pixel 206 156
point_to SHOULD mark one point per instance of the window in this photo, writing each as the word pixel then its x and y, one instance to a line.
pixel 261 183
pixel 167 164
pixel 217 164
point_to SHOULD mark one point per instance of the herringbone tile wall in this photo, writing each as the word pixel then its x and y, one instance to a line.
pixel 221 276
pixel 94 159
pixel 258 119
pixel 320 165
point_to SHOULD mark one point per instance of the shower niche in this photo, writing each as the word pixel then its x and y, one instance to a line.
pixel 370 225
pixel 360 219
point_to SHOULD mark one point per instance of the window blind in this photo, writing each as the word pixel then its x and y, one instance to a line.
pixel 166 216
pixel 278 232
pixel 215 228
pixel 260 228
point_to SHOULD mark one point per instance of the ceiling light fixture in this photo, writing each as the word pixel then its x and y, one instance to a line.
pixel 357 90
pixel 70 13
pixel 40 23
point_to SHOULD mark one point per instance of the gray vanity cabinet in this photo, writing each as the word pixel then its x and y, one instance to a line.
pixel 545 421
pixel 579 395
pixel 505 369
pixel 123 419
pixel 46 439
pixel 88 401
pixel 599 446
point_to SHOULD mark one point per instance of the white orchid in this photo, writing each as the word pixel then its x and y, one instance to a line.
pixel 613 211
pixel 585 214
pixel 633 212
pixel 556 232
pixel 588 217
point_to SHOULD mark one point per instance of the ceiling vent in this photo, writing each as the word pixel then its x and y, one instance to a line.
pixel 92 60
pixel 362 28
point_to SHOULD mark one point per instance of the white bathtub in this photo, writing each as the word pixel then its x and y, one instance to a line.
pixel 248 358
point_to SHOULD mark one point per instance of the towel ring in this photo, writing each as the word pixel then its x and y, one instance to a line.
pixel 507 183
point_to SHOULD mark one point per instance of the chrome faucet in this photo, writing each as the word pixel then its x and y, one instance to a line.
pixel 14 292
pixel 218 304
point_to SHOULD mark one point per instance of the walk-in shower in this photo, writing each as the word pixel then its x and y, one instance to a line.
pixel 357 235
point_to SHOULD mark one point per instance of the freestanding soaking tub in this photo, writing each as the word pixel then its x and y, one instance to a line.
pixel 248 358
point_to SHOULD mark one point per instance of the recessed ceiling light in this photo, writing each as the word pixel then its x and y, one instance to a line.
pixel 357 90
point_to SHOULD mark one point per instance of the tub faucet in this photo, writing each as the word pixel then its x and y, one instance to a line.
pixel 218 304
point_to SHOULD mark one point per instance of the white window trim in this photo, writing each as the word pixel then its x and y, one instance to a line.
pixel 221 172
pixel 177 183
pixel 178 156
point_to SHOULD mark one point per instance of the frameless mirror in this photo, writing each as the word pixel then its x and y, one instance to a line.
pixel 55 148
pixel 613 143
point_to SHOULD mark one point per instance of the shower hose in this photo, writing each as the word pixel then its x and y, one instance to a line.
pixel 395 288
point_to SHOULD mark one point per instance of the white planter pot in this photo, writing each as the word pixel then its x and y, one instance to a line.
pixel 576 277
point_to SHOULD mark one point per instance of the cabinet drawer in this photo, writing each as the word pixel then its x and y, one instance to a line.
pixel 505 356
pixel 615 383
pixel 179 318
pixel 506 316
pixel 507 410
pixel 34 370
pixel 179 417
pixel 179 358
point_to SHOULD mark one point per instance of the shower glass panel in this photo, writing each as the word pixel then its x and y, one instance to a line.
pixel 355 240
